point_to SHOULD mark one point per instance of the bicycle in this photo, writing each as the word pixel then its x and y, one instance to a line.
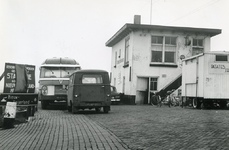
pixel 156 100
pixel 172 100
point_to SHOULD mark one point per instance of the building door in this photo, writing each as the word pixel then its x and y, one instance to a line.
pixel 142 90
pixel 153 81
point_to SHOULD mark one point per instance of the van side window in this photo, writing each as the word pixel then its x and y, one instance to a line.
pixel 92 79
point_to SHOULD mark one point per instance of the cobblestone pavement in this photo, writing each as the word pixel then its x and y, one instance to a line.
pixel 152 128
pixel 59 130
pixel 135 127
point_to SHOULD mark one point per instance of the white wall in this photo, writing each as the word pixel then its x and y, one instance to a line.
pixel 140 58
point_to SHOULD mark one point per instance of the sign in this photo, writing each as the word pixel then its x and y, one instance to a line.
pixel 182 57
pixel 19 78
pixel 10 111
pixel 30 69
pixel 219 68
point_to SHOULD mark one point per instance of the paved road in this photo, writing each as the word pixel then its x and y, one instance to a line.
pixel 152 128
pixel 59 130
pixel 125 127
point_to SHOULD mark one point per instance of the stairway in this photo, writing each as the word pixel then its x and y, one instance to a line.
pixel 175 84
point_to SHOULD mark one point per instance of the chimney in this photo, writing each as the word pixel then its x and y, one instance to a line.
pixel 137 19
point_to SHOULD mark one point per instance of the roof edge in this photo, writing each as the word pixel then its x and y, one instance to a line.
pixel 127 28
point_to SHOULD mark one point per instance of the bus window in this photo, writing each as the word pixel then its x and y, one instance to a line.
pixel 57 72
pixel 67 71
pixel 50 72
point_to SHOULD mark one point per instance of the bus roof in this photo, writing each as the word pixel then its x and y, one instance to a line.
pixel 60 62
pixel 55 60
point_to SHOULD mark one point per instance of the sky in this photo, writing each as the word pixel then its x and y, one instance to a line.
pixel 33 30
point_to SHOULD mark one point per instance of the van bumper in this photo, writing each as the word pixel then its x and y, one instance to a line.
pixel 53 97
pixel 90 104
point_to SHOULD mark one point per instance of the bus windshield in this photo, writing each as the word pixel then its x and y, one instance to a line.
pixel 57 72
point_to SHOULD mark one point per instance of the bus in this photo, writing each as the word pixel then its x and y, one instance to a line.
pixel 53 80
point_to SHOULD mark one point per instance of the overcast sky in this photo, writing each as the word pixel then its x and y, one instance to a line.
pixel 33 30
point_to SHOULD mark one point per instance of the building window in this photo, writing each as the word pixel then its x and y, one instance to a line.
pixel 127 47
pixel 130 75
pixel 153 84
pixel 221 58
pixel 115 59
pixel 115 82
pixel 163 49
pixel 197 46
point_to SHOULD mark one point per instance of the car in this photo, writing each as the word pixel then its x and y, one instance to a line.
pixel 115 96
pixel 89 89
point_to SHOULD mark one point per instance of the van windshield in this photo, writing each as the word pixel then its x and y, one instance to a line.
pixel 92 79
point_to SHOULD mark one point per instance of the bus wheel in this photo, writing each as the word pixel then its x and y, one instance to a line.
pixel 98 109
pixel 43 104
pixel 195 103
pixel 105 109
pixel 69 108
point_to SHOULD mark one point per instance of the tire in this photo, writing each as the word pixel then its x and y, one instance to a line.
pixel 43 104
pixel 169 103
pixel 195 103
pixel 202 106
pixel 69 108
pixel 74 109
pixel 98 109
pixel 105 109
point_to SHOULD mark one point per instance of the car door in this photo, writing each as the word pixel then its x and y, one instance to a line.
pixel 92 88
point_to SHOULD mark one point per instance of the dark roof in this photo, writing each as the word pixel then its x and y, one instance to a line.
pixel 59 60
pixel 127 28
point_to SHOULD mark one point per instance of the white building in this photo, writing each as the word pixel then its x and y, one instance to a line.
pixel 147 58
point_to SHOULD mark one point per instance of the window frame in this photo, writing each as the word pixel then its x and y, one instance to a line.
pixel 116 59
pixel 226 56
pixel 127 51
pixel 152 84
pixel 163 49
pixel 98 79
pixel 197 46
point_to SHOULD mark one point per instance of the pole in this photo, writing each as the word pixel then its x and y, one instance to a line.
pixel 150 12
pixel 2 75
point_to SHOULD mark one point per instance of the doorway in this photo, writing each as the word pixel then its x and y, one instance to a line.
pixel 142 90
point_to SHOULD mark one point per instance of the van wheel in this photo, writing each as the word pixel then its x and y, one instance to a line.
pixel 43 104
pixel 74 109
pixel 105 109
pixel 69 108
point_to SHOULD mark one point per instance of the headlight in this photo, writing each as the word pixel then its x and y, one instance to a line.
pixel 44 90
